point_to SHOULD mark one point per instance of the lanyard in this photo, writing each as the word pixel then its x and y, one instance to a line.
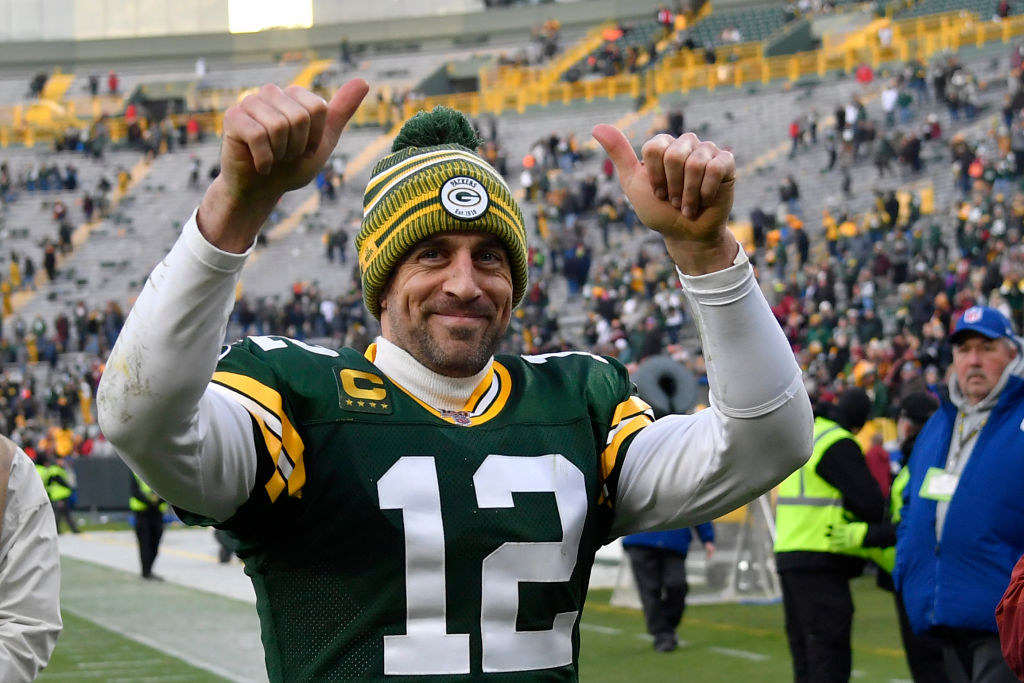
pixel 962 440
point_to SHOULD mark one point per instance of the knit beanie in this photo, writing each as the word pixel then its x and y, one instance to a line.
pixel 433 181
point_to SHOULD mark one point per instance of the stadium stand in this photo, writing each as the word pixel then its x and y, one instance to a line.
pixel 752 24
pixel 985 9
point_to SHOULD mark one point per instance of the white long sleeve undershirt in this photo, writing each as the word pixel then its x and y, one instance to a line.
pixel 196 449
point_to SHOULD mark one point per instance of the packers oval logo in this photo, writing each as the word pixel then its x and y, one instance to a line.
pixel 464 198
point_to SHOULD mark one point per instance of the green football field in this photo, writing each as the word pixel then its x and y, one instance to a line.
pixel 719 643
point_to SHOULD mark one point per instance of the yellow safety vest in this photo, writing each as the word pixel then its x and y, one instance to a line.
pixel 807 504
pixel 138 505
pixel 55 489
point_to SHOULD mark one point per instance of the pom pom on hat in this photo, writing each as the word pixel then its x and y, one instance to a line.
pixel 434 182
pixel 441 126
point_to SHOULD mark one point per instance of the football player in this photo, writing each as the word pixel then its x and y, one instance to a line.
pixel 428 510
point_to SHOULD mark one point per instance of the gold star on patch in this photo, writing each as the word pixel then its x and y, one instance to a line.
pixel 348 401
pixel 373 404
pixel 384 406
pixel 361 403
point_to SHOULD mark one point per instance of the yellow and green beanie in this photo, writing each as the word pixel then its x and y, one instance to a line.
pixel 434 182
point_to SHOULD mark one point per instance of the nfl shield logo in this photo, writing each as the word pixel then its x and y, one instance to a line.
pixel 459 417
pixel 972 315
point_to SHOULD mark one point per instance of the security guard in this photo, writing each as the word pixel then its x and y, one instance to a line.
pixel 878 541
pixel 834 483
pixel 149 511
pixel 59 488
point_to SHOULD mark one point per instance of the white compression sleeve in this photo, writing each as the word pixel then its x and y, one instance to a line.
pixel 686 469
pixel 193 446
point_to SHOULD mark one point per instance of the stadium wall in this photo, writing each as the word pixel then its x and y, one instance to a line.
pixel 71 32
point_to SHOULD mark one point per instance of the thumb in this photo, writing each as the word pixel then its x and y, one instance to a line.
pixel 340 109
pixel 619 150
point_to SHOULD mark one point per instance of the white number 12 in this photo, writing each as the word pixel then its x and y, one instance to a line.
pixel 410 485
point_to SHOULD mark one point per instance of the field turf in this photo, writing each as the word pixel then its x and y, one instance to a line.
pixel 718 643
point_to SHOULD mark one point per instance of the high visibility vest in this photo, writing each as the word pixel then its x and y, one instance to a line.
pixel 54 488
pixel 807 504
pixel 886 557
pixel 139 505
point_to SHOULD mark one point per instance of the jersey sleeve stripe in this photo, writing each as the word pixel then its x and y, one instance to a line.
pixel 272 421
pixel 610 455
pixel 276 486
pixel 634 405
pixel 282 440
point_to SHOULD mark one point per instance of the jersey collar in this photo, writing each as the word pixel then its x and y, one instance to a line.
pixel 484 403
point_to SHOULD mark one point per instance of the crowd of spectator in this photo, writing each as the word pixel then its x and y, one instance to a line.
pixel 865 299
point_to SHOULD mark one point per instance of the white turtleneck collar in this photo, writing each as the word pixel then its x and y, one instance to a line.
pixel 437 391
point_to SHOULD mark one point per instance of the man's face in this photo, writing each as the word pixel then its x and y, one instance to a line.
pixel 979 363
pixel 449 301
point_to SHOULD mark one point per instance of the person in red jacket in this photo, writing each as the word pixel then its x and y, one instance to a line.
pixel 1010 620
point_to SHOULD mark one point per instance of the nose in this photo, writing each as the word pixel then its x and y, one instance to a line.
pixel 972 356
pixel 461 277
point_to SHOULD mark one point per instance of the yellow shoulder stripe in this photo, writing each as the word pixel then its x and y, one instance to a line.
pixel 267 409
pixel 610 455
pixel 633 405
pixel 277 482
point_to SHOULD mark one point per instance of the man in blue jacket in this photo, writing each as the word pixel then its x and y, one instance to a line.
pixel 659 565
pixel 963 521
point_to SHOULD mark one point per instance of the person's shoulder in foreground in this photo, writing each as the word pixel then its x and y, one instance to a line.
pixel 30 618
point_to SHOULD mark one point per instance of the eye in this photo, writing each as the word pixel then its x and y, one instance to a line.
pixel 428 253
pixel 491 256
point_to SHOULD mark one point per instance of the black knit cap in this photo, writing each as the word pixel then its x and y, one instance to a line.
pixel 918 407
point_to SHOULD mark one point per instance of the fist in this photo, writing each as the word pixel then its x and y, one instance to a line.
pixel 683 188
pixel 277 140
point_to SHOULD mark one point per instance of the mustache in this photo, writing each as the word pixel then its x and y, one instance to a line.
pixel 474 309
pixel 971 374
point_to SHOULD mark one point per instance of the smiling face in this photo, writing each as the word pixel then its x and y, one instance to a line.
pixel 979 363
pixel 449 302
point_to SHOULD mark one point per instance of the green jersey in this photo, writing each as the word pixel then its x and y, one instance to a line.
pixel 386 539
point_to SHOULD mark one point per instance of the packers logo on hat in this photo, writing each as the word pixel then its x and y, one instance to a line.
pixel 464 198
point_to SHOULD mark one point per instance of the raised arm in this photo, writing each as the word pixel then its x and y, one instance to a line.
pixel 686 469
pixel 194 447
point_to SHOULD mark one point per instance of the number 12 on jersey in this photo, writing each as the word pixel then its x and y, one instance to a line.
pixel 411 485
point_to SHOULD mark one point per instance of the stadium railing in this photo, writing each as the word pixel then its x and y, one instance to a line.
pixel 743 65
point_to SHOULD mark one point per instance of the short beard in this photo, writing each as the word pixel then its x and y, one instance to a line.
pixel 421 346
